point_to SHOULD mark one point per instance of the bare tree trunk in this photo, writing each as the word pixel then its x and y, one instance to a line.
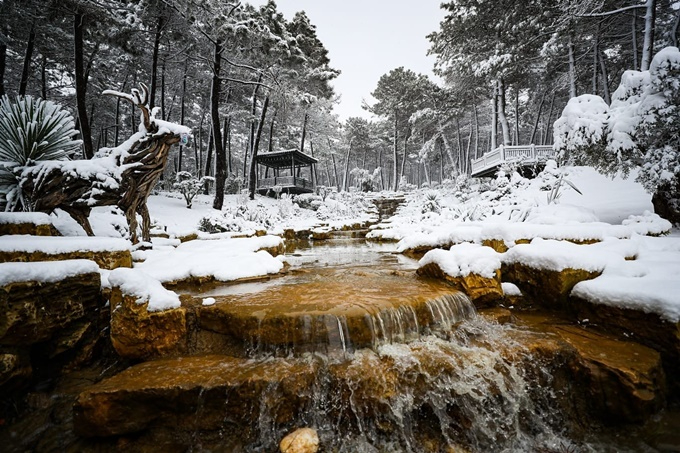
pixel 516 140
pixel 548 123
pixel 403 162
pixel 252 180
pixel 674 30
pixel 596 55
pixel 220 155
pixel 538 117
pixel 345 178
pixel 501 113
pixel 27 61
pixel 43 77
pixel 154 61
pixel 572 69
pixel 335 168
pixel 395 181
pixel 474 109
pixel 3 65
pixel 81 85
pixel 494 117
pixel 382 175
pixel 648 44
pixel 253 110
pixel 117 127
pixel 182 115
pixel 605 80
pixel 304 133
pixel 270 143
pixel 634 41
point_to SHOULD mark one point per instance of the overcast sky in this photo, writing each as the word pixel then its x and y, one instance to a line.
pixel 368 38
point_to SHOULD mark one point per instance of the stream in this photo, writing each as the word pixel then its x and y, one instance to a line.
pixel 391 377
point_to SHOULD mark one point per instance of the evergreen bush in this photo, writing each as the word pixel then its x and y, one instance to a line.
pixel 31 129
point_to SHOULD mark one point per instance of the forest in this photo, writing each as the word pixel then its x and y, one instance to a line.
pixel 247 80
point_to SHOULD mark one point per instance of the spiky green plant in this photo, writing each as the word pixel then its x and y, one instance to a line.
pixel 31 129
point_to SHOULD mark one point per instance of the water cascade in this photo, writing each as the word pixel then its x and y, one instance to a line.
pixel 372 357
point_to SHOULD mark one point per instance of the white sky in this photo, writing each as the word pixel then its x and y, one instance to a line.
pixel 368 38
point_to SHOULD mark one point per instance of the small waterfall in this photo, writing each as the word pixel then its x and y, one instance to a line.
pixel 428 395
pixel 449 310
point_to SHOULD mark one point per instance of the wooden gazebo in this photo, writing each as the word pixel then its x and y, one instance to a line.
pixel 286 167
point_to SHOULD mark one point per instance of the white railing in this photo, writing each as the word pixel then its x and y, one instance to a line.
pixel 525 154
pixel 284 181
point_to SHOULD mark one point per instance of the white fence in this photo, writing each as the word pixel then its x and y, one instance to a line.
pixel 526 154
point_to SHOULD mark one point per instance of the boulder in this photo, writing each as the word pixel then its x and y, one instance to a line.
pixel 303 440
pixel 482 291
pixel 193 394
pixel 34 311
pixel 649 329
pixel 137 333
pixel 20 223
pixel 545 287
pixel 594 375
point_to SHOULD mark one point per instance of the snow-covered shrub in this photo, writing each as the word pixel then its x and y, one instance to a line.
pixel 553 180
pixel 659 128
pixel 580 134
pixel 323 192
pixel 366 181
pixel 233 185
pixel 623 149
pixel 189 186
pixel 431 202
pixel 308 201
pixel 406 186
pixel 31 130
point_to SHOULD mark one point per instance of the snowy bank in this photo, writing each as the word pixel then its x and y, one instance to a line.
pixel 44 271
pixel 224 260
pixel 144 288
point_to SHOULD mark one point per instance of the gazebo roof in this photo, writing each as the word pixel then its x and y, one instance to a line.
pixel 284 159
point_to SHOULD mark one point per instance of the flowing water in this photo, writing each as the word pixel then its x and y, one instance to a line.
pixel 400 363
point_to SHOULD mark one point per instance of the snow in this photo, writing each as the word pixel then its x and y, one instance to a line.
pixel 510 289
pixel 37 218
pixel 45 271
pixel 208 301
pixel 650 283
pixel 465 259
pixel 560 255
pixel 145 288
pixel 58 244
pixel 225 260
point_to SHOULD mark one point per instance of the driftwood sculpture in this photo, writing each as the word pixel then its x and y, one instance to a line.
pixel 122 176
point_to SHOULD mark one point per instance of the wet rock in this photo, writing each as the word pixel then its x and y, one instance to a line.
pixel 137 333
pixel 33 312
pixel 648 329
pixel 600 376
pixel 623 382
pixel 322 234
pixel 195 393
pixel 276 250
pixel 304 440
pixel 545 287
pixel 15 366
pixel 482 291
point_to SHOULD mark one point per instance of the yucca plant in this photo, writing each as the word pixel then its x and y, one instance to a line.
pixel 31 129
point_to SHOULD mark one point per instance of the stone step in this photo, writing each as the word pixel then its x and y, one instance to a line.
pixel 108 253
pixel 33 223
pixel 352 309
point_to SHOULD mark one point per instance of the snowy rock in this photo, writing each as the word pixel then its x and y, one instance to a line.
pixel 33 223
pixel 146 320
pixel 470 268
pixel 304 440
pixel 34 309
pixel 108 253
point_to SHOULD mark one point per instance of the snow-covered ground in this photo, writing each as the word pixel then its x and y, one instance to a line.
pixel 543 211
